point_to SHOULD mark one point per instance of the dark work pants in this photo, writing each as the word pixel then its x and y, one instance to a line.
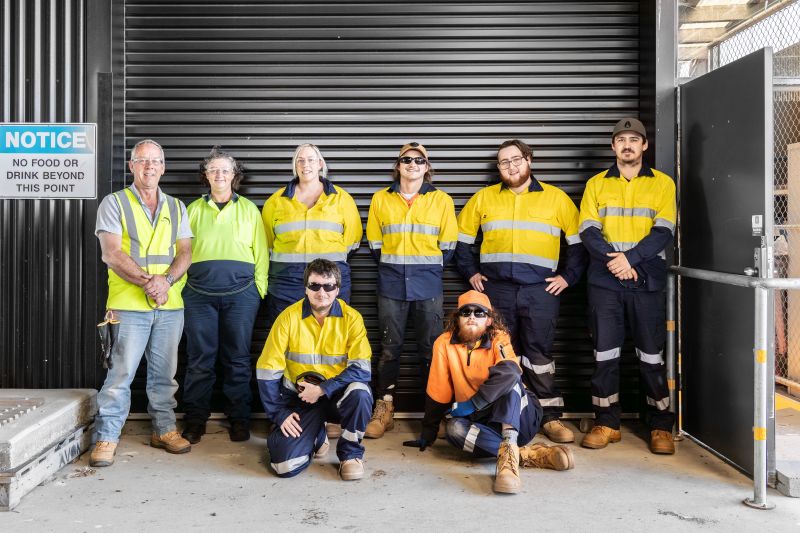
pixel 218 327
pixel 644 312
pixel 392 317
pixel 531 313
pixel 480 434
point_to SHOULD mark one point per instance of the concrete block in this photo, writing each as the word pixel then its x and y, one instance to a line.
pixel 788 478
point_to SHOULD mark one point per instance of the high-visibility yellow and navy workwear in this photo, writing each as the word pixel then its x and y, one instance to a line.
pixel 520 250
pixel 152 245
pixel 338 351
pixel 411 243
pixel 227 279
pixel 297 234
pixel 486 373
pixel 636 217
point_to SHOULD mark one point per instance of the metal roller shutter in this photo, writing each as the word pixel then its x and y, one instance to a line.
pixel 359 79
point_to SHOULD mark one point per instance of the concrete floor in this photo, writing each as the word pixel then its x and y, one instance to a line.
pixel 225 486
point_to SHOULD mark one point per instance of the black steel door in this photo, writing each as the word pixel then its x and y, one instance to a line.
pixel 725 181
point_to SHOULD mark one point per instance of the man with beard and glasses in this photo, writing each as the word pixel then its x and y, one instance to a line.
pixel 522 220
pixel 475 366
pixel 315 368
pixel 628 218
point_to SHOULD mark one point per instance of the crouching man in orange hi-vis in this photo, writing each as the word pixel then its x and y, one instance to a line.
pixel 475 366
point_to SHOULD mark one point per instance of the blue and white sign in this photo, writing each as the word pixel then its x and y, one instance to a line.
pixel 48 161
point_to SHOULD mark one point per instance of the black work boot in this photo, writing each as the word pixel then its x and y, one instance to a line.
pixel 194 431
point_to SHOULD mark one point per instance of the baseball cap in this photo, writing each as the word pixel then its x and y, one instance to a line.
pixel 629 124
pixel 413 146
pixel 475 298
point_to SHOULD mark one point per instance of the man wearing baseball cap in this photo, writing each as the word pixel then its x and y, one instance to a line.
pixel 494 414
pixel 627 220
pixel 412 234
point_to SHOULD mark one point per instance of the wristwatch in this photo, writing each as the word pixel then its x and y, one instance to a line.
pixel 169 278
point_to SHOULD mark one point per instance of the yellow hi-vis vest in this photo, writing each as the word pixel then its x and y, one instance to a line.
pixel 152 248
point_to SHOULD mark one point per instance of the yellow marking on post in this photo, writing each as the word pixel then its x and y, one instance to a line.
pixel 759 433
pixel 671 384
pixel 761 356
pixel 670 325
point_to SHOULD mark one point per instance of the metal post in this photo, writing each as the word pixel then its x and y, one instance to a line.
pixel 759 499
pixel 671 334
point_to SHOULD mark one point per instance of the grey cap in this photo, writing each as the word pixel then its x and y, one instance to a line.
pixel 629 124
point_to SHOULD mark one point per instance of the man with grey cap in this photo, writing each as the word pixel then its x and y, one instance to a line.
pixel 412 233
pixel 627 219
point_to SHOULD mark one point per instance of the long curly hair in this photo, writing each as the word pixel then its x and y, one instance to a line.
pixel 497 325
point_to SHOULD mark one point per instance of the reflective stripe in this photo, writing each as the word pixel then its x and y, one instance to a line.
pixel 466 239
pixel 573 239
pixel 315 358
pixel 411 259
pixel 627 212
pixel 425 229
pixel 552 402
pixel 524 402
pixel 375 245
pixel 662 404
pixel 472 436
pixel 363 364
pixel 590 224
pixel 173 216
pixel 607 355
pixel 517 389
pixel 448 245
pixel 527 225
pixel 520 258
pixel 622 246
pixel 549 368
pixel 650 358
pixel 133 232
pixel 356 437
pixel 306 258
pixel 356 385
pixel 287 466
pixel 268 374
pixel 663 223
pixel 354 247
pixel 605 402
pixel 288 384
pixel 303 225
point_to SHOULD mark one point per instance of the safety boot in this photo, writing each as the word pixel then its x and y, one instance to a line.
pixel 540 455
pixel 600 436
pixel 558 432
pixel 351 469
pixel 103 453
pixel 322 451
pixel 382 419
pixel 661 442
pixel 333 431
pixel 506 477
pixel 171 441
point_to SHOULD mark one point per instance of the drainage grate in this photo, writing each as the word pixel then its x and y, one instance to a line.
pixel 12 408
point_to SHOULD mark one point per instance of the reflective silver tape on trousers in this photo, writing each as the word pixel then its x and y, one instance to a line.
pixel 627 212
pixel 549 368
pixel 662 404
pixel 356 385
pixel 315 358
pixel 466 239
pixel 292 464
pixel 526 225
pixel 424 229
pixel 303 225
pixel 551 402
pixel 520 258
pixel 268 374
pixel 411 259
pixel 607 355
pixel 605 402
pixel 356 437
pixel 650 358
pixel 472 436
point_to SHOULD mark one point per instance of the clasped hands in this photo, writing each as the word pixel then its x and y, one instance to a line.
pixel 620 267
pixel 156 288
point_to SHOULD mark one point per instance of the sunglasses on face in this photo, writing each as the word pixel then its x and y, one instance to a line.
pixel 472 311
pixel 329 287
pixel 406 160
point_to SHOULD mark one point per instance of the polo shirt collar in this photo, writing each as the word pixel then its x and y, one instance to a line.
pixel 327 187
pixel 336 309
pixel 426 187
pixel 207 198
pixel 534 186
pixel 613 172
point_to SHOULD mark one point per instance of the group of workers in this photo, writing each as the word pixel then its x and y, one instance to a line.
pixel 488 373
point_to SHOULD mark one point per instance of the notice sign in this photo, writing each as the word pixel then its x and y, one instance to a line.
pixel 48 161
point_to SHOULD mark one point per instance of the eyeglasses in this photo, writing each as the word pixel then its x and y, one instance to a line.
pixel 223 171
pixel 472 311
pixel 406 160
pixel 329 287
pixel 146 161
pixel 311 160
pixel 506 163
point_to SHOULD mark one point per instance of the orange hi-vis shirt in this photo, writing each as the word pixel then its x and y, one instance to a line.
pixel 458 371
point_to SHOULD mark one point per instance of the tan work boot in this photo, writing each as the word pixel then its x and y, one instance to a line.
pixel 171 442
pixel 600 436
pixel 323 450
pixel 351 469
pixel 506 477
pixel 103 453
pixel 333 431
pixel 540 455
pixel 661 442
pixel 558 432
pixel 382 419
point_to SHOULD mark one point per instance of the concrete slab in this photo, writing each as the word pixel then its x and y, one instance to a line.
pixel 43 418
pixel 225 486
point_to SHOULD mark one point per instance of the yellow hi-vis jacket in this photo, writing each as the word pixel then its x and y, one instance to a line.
pixel 152 248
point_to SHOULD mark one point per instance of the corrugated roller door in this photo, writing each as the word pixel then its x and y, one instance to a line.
pixel 360 79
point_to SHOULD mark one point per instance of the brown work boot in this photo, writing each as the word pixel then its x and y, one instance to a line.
pixel 171 442
pixel 506 477
pixel 333 431
pixel 382 419
pixel 323 450
pixel 540 455
pixel 600 436
pixel 103 453
pixel 661 442
pixel 558 432
pixel 351 469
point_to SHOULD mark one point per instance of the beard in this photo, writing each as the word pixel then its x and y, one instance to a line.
pixel 513 182
pixel 470 335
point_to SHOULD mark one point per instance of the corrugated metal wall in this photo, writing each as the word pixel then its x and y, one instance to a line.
pixel 360 79
pixel 47 288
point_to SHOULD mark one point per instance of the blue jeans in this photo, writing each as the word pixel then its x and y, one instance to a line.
pixel 154 334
